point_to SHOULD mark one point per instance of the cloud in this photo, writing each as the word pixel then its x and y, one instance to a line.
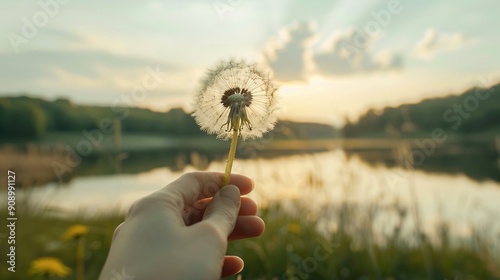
pixel 434 42
pixel 349 52
pixel 292 56
pixel 286 55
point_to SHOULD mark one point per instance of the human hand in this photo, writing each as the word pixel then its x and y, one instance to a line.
pixel 182 230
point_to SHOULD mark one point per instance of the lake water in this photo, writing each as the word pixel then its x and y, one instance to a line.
pixel 312 180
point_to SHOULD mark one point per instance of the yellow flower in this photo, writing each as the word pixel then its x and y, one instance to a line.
pixel 294 228
pixel 48 266
pixel 75 232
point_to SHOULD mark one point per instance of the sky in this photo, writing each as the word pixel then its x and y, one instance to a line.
pixel 332 59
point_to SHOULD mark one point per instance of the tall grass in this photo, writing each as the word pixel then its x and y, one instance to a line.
pixel 363 244
pixel 359 242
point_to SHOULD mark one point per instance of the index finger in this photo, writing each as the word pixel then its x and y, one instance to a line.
pixel 193 186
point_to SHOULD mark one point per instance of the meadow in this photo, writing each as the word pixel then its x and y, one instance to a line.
pixel 294 245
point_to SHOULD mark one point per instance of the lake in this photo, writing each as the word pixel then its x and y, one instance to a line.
pixel 442 189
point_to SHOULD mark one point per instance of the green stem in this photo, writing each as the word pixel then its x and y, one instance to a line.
pixel 80 257
pixel 232 152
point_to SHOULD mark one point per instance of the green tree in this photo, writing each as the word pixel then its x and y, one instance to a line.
pixel 25 120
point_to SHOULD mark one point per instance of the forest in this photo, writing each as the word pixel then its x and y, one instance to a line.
pixel 476 111
pixel 31 118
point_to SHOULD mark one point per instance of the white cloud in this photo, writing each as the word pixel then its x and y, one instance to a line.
pixel 287 54
pixel 434 42
pixel 292 58
pixel 349 52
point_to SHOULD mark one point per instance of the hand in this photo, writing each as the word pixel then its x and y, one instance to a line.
pixel 182 230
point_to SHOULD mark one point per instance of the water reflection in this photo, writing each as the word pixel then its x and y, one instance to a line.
pixel 316 181
pixel 477 161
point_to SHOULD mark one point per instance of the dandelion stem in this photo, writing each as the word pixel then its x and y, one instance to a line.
pixel 232 151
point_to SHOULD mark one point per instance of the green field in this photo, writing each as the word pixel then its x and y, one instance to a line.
pixel 289 248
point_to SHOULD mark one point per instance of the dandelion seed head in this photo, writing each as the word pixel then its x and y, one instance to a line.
pixel 235 89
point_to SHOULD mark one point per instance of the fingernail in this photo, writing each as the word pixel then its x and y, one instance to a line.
pixel 232 192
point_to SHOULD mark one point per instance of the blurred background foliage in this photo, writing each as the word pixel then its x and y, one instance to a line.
pixel 31 118
pixel 414 120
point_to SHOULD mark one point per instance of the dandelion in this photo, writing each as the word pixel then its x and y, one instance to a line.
pixel 49 267
pixel 235 99
pixel 77 233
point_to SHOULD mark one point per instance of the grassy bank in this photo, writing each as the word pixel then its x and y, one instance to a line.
pixel 294 246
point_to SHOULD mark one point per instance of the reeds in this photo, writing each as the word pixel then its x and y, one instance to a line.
pixel 33 163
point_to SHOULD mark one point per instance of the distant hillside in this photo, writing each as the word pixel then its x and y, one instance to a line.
pixel 31 118
pixel 476 111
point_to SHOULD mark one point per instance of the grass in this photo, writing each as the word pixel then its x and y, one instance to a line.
pixel 288 249
pixel 38 234
pixel 294 246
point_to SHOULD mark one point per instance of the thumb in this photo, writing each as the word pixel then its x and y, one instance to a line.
pixel 223 210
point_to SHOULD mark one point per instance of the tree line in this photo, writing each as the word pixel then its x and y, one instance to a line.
pixel 33 117
pixel 28 117
pixel 477 110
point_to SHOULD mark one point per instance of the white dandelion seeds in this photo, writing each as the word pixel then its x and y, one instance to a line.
pixel 235 99
pixel 235 90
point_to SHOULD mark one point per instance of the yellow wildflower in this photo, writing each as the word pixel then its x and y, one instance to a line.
pixel 75 232
pixel 49 266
